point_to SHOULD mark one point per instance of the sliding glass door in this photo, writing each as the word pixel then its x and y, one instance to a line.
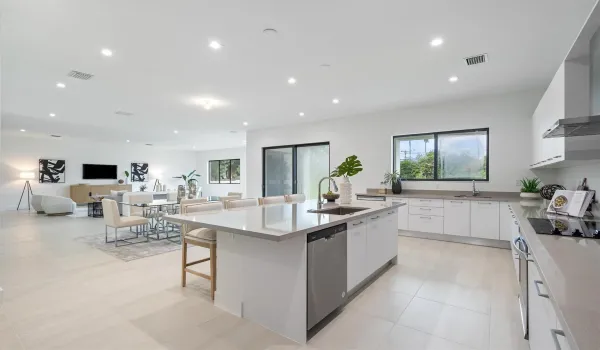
pixel 295 169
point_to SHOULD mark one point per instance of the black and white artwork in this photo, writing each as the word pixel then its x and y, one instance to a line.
pixel 139 172
pixel 52 171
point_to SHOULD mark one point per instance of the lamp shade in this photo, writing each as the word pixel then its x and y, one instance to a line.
pixel 27 175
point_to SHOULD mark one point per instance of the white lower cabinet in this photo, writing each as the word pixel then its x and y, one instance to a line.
pixel 375 242
pixel 457 217
pixel 402 212
pixel 542 317
pixel 391 235
pixel 485 219
pixel 357 252
pixel 426 223
pixel 506 222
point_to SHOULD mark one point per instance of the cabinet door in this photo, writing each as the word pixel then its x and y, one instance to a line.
pixel 391 235
pixel 426 223
pixel 457 217
pixel 402 213
pixel 506 222
pixel 542 318
pixel 357 252
pixel 375 242
pixel 485 219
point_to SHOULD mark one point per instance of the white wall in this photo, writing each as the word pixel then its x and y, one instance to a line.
pixel 202 158
pixel 20 152
pixel 370 137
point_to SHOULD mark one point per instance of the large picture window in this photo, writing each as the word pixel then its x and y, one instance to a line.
pixel 225 171
pixel 443 156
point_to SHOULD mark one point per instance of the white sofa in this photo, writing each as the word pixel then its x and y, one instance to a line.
pixel 53 205
pixel 36 203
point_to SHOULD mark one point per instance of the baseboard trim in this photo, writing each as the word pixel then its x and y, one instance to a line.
pixel 492 243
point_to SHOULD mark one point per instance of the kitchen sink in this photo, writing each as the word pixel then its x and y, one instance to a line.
pixel 337 210
pixel 465 196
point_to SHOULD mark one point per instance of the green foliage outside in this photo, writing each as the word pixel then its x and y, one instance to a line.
pixel 450 166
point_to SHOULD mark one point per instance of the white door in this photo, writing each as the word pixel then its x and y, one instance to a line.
pixel 485 219
pixel 357 252
pixel 457 217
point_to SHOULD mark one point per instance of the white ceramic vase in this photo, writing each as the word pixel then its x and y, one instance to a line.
pixel 530 196
pixel 345 191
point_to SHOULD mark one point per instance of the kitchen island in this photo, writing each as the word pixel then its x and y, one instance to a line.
pixel 262 257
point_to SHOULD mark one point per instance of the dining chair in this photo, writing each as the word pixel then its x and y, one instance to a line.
pixel 272 200
pixel 113 219
pixel 242 203
pixel 295 198
pixel 201 237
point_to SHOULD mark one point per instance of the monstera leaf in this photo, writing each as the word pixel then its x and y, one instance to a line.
pixel 349 167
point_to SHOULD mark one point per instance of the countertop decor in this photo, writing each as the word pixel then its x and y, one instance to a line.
pixel 530 188
pixel 349 167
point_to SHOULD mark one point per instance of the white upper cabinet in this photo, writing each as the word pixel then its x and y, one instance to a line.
pixel 457 217
pixel 485 219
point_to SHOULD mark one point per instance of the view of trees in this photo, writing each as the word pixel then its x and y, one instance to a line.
pixel 450 166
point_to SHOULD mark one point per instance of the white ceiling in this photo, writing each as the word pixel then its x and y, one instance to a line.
pixel 378 51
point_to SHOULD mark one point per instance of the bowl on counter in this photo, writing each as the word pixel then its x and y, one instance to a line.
pixel 331 197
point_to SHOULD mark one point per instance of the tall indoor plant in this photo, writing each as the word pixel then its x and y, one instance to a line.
pixel 349 167
pixel 393 178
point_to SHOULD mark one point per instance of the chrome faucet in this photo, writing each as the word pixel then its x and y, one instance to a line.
pixel 335 188
pixel 475 192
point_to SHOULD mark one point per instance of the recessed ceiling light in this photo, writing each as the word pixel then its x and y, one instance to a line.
pixel 194 147
pixel 107 52
pixel 207 103
pixel 335 101
pixel 175 131
pixel 127 141
pixel 215 45
pixel 292 81
pixel 453 79
pixel 245 123
pixel 22 130
pixel 301 114
pixel 52 115
pixel 436 42
pixel 61 85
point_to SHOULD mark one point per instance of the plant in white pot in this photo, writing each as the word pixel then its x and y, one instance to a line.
pixel 349 167
pixel 530 188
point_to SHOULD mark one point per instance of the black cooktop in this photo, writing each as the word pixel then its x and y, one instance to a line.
pixel 566 226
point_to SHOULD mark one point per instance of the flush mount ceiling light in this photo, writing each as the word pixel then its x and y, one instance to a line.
pixel 60 85
pixel 22 130
pixel 52 115
pixel 436 42
pixel 335 101
pixel 107 52
pixel 215 45
pixel 453 79
pixel 292 81
pixel 207 103
pixel 245 123
pixel 301 114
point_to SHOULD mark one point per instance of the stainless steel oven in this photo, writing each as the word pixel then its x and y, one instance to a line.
pixel 520 246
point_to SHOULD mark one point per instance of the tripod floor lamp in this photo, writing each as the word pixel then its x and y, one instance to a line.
pixel 26 175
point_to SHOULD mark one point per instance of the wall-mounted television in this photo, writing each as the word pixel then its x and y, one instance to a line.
pixel 99 172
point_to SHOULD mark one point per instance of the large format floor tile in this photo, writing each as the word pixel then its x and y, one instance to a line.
pixel 62 294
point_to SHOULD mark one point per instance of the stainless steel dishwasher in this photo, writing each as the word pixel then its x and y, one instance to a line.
pixel 326 273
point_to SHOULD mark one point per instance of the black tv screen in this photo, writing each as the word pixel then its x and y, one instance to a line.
pixel 99 171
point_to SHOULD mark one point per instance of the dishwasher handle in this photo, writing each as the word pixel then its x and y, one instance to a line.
pixel 326 233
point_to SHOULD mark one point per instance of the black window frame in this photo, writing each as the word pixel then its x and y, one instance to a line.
pixel 230 172
pixel 435 154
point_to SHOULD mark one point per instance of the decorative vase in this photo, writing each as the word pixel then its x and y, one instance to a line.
pixel 530 196
pixel 345 191
pixel 192 190
pixel 180 193
pixel 397 186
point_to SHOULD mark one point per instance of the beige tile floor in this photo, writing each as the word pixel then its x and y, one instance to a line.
pixel 61 294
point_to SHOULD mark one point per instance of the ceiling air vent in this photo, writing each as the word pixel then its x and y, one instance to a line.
pixel 125 113
pixel 56 136
pixel 80 75
pixel 471 61
pixel 148 144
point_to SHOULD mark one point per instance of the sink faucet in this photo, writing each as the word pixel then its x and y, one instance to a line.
pixel 475 192
pixel 335 188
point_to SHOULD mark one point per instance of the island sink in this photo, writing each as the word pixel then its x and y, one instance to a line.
pixel 338 210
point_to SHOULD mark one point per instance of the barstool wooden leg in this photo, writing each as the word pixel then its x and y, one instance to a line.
pixel 183 261
pixel 213 270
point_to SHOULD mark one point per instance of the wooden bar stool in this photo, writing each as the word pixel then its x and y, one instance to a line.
pixel 201 237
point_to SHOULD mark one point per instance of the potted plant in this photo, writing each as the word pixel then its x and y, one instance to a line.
pixel 349 167
pixel 143 187
pixel 530 188
pixel 126 173
pixel 190 180
pixel 393 178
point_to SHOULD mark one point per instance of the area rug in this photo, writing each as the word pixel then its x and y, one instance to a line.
pixel 129 252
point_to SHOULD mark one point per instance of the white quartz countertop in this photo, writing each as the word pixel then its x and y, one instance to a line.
pixel 570 268
pixel 277 222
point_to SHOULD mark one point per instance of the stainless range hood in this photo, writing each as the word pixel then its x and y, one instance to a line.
pixel 571 127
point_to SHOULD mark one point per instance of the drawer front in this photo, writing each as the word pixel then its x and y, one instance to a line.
pixel 426 223
pixel 396 200
pixel 423 202
pixel 433 211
